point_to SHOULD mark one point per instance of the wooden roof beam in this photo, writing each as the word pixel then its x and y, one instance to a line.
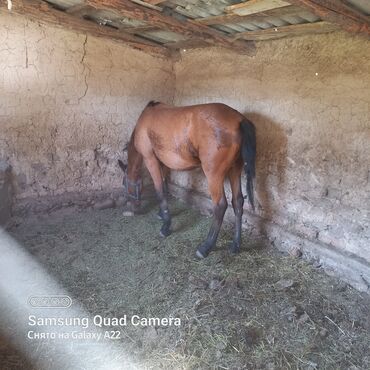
pixel 187 28
pixel 292 30
pixel 41 11
pixel 338 12
pixel 186 44
pixel 235 18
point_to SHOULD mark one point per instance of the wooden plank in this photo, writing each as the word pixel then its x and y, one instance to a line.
pixel 41 11
pixel 78 10
pixel 186 44
pixel 255 6
pixel 146 4
pixel 292 30
pixel 235 18
pixel 139 29
pixel 338 12
pixel 154 2
pixel 187 28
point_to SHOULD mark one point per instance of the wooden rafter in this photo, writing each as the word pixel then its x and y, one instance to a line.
pixel 292 30
pixel 235 18
pixel 187 28
pixel 338 12
pixel 41 11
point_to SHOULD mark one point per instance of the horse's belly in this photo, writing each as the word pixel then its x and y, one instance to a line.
pixel 176 162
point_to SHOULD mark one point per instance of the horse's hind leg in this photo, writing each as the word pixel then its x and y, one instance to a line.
pixel 237 202
pixel 165 173
pixel 154 168
pixel 216 188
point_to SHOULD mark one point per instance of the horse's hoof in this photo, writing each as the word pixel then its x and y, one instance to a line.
pixel 159 215
pixel 127 213
pixel 165 233
pixel 199 254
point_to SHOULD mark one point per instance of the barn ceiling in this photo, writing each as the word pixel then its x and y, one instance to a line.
pixel 159 26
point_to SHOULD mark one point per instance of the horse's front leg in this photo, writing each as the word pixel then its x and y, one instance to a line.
pixel 216 188
pixel 154 168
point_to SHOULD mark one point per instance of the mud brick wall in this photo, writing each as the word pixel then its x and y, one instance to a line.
pixel 68 103
pixel 309 98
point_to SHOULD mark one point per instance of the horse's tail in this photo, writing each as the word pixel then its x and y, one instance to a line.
pixel 248 152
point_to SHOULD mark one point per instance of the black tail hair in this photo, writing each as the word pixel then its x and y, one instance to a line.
pixel 248 151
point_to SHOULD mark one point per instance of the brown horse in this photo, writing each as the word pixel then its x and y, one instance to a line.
pixel 214 136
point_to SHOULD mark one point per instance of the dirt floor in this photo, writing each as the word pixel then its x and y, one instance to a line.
pixel 258 310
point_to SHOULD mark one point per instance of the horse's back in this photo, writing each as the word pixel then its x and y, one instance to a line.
pixel 194 116
pixel 179 135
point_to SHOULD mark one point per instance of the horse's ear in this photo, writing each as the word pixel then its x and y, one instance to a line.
pixel 122 165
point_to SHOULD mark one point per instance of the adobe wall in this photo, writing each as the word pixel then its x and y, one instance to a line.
pixel 68 103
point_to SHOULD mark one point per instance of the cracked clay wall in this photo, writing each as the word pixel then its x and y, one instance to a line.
pixel 309 98
pixel 68 104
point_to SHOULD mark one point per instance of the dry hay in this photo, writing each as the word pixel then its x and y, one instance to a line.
pixel 259 310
